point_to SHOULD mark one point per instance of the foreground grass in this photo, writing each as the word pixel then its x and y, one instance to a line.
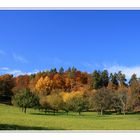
pixel 11 118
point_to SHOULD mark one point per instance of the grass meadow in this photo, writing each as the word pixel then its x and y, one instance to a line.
pixel 11 118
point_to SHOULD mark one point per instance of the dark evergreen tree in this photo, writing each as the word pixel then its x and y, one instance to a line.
pixel 96 80
pixel 114 80
pixel 105 78
pixel 53 71
pixel 121 79
pixel 61 70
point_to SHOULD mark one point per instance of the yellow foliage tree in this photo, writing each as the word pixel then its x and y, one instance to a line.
pixel 44 85
pixel 73 101
pixel 65 96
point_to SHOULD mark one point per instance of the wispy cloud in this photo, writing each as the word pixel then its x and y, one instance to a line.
pixel 128 71
pixel 87 64
pixel 91 66
pixel 19 58
pixel 2 52
pixel 15 72
pixel 57 60
pixel 4 68
pixel 60 62
pixel 32 72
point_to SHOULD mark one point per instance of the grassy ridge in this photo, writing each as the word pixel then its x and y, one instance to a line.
pixel 11 118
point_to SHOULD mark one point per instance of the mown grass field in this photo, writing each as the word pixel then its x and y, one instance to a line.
pixel 11 118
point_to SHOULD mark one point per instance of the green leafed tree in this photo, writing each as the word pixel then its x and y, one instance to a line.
pixel 77 104
pixel 102 100
pixel 119 101
pixel 55 102
pixel 25 99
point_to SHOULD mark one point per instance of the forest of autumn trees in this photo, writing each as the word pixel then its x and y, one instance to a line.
pixel 72 90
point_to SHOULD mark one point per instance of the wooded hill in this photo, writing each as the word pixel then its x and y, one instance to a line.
pixel 72 90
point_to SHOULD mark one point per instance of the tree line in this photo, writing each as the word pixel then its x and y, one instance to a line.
pixel 72 90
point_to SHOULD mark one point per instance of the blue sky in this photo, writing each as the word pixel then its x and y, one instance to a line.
pixel 38 40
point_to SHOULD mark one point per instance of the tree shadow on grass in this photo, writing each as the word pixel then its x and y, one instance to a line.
pixel 19 127
pixel 49 113
pixel 56 114
pixel 133 113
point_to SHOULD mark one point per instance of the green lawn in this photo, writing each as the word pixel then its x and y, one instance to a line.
pixel 11 118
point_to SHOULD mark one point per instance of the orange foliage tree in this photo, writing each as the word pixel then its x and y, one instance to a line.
pixel 44 85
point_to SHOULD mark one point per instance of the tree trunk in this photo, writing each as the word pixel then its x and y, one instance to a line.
pixel 25 110
pixel 79 113
pixel 123 111
pixel 45 110
pixel 123 108
pixel 120 111
pixel 67 113
pixel 54 112
pixel 101 111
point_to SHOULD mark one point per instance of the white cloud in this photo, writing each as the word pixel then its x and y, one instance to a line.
pixel 128 71
pixel 4 68
pixel 33 72
pixel 15 72
pixel 87 64
pixel 58 61
pixel 19 58
pixel 90 66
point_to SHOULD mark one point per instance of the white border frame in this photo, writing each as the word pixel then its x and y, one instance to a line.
pixel 70 5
